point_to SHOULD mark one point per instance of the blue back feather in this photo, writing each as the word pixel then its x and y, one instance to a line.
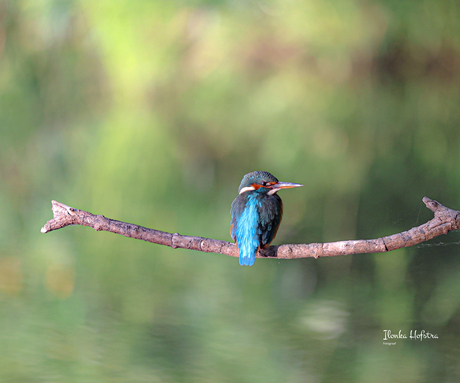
pixel 245 224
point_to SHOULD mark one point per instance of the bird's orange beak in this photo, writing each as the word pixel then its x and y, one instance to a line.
pixel 283 185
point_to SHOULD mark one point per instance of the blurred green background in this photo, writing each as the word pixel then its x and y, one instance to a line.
pixel 151 112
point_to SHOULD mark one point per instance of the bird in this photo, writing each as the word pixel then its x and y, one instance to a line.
pixel 256 213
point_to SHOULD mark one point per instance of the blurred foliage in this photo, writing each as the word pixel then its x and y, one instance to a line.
pixel 151 112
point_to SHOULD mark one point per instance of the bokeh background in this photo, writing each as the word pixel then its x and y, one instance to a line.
pixel 151 112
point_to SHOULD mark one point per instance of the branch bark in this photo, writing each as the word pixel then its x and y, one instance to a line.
pixel 445 220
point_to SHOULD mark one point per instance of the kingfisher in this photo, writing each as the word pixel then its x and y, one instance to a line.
pixel 256 213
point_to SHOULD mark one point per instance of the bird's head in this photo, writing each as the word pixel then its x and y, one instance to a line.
pixel 263 182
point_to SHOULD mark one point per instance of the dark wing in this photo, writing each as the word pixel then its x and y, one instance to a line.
pixel 270 214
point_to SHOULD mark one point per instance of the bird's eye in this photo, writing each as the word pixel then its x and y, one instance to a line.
pixel 264 183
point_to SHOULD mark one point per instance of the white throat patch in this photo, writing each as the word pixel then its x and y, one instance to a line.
pixel 247 188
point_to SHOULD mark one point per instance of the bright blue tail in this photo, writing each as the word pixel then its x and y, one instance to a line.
pixel 248 255
pixel 246 234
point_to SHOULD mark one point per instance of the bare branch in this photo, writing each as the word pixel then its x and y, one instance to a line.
pixel 445 220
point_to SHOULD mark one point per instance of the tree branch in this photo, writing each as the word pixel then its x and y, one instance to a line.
pixel 445 220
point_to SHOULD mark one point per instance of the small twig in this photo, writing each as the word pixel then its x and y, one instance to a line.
pixel 445 220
